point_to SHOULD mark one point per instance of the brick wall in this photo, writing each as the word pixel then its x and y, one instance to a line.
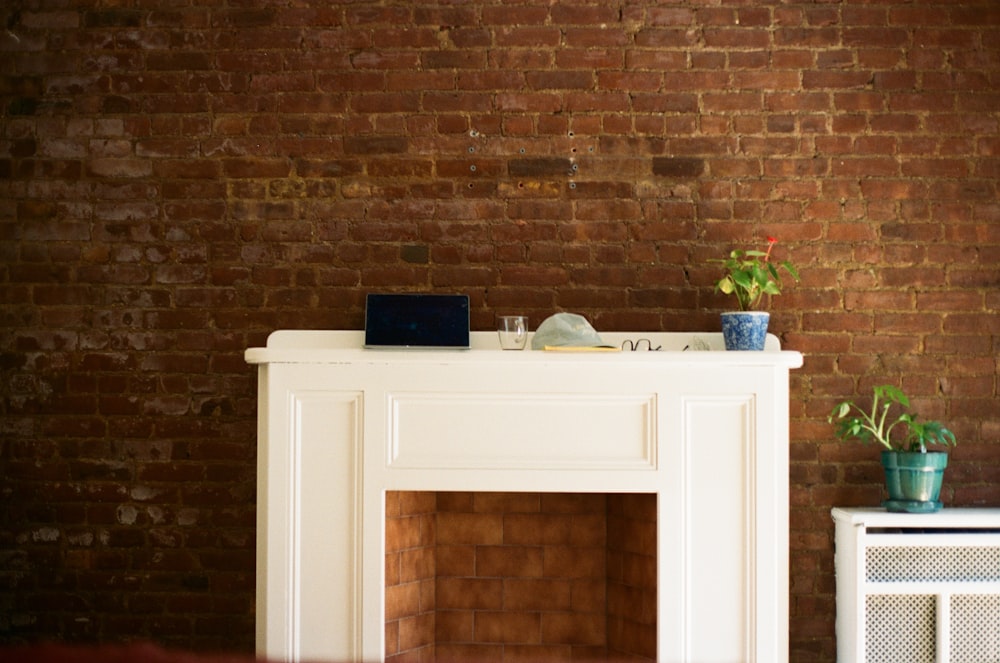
pixel 179 179
pixel 520 576
pixel 410 575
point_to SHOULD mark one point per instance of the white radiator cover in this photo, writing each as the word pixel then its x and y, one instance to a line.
pixel 707 432
pixel 920 588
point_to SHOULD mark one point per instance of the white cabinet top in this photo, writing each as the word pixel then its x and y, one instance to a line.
pixel 970 517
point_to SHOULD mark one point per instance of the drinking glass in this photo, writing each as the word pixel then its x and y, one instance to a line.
pixel 513 331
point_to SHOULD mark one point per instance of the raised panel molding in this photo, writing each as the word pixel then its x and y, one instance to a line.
pixel 719 507
pixel 326 436
pixel 487 431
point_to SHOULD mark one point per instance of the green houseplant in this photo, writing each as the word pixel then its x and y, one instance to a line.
pixel 913 474
pixel 749 275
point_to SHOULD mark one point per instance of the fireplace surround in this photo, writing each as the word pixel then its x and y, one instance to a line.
pixel 705 432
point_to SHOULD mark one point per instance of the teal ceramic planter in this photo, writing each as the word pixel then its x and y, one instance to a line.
pixel 913 480
pixel 745 330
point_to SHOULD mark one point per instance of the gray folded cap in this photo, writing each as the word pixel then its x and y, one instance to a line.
pixel 566 330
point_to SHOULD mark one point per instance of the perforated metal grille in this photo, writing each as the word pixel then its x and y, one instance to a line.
pixel 899 629
pixel 975 628
pixel 938 563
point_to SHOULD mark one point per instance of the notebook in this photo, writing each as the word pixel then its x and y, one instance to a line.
pixel 417 321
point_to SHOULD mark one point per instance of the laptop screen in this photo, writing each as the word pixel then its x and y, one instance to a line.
pixel 416 321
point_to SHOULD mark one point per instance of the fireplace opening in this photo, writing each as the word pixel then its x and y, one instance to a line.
pixel 504 576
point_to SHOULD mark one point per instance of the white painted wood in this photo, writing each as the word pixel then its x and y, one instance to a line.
pixel 719 528
pixel 860 536
pixel 707 432
pixel 320 554
pixel 431 430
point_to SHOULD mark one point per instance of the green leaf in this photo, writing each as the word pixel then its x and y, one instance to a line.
pixel 741 279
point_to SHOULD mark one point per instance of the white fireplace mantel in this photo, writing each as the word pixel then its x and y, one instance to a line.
pixel 707 432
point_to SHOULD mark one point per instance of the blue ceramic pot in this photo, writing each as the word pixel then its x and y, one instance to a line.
pixel 745 330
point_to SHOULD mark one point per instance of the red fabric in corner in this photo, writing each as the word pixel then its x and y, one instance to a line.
pixel 127 653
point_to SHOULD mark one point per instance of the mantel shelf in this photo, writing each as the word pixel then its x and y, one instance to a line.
pixel 317 346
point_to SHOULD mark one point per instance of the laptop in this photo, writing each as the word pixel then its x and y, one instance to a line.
pixel 417 321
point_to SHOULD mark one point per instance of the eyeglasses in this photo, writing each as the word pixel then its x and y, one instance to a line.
pixel 697 344
pixel 636 346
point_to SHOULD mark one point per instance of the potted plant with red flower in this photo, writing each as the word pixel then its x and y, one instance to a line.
pixel 750 275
